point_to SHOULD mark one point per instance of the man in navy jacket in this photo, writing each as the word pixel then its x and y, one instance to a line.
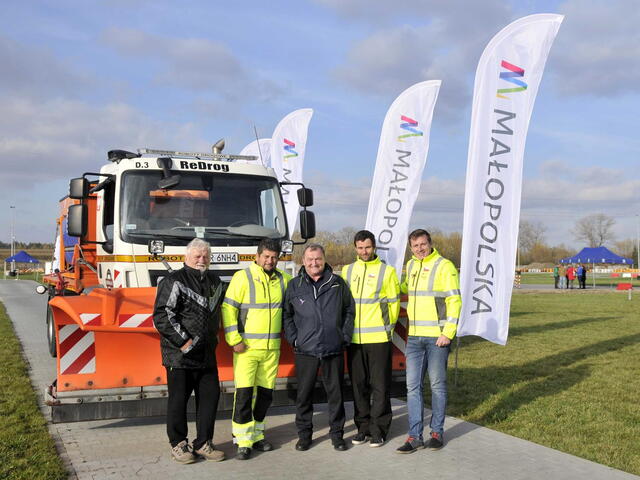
pixel 317 317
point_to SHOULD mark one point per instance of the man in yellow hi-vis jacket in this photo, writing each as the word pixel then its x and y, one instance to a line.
pixel 433 310
pixel 252 321
pixel 375 289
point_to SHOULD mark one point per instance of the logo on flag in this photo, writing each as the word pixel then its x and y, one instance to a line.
pixel 509 76
pixel 409 126
pixel 289 149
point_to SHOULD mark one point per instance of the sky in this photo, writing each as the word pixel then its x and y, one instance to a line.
pixel 80 78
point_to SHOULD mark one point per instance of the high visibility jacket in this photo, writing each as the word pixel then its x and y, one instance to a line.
pixel 252 307
pixel 376 291
pixel 434 296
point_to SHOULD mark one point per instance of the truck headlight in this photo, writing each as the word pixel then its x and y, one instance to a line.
pixel 156 247
pixel 287 246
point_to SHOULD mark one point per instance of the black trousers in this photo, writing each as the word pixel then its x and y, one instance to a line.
pixel 333 379
pixel 370 373
pixel 180 383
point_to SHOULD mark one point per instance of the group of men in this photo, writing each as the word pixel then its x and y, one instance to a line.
pixel 564 277
pixel 321 315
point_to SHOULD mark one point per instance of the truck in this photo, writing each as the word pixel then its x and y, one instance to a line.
pixel 119 231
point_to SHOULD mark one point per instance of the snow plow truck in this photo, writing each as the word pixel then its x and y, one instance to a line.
pixel 119 231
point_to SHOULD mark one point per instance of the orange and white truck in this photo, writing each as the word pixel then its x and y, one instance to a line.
pixel 119 231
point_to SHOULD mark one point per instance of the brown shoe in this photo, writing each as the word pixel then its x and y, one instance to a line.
pixel 182 453
pixel 209 452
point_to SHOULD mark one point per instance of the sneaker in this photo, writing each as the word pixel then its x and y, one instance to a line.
pixel 435 442
pixel 243 453
pixel 360 438
pixel 182 453
pixel 263 446
pixel 410 446
pixel 339 444
pixel 303 444
pixel 376 441
pixel 209 452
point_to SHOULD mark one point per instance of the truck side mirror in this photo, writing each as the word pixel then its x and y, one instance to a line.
pixel 305 198
pixel 77 221
pixel 78 188
pixel 307 224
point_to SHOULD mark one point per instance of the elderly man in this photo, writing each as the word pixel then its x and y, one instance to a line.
pixel 252 320
pixel 187 315
pixel 318 315
pixel 433 310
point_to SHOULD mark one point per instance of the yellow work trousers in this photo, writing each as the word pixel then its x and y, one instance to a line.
pixel 254 375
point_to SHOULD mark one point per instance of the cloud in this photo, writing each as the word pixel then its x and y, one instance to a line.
pixel 194 64
pixel 36 72
pixel 446 46
pixel 597 48
pixel 60 138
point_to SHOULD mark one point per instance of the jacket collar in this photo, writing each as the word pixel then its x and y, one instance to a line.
pixel 375 261
pixel 194 272
pixel 328 271
pixel 260 271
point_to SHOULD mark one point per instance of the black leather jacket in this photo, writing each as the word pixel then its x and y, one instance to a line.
pixel 188 307
pixel 317 317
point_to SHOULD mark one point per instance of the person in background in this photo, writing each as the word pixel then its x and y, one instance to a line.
pixel 562 274
pixel 582 276
pixel 556 276
pixel 571 276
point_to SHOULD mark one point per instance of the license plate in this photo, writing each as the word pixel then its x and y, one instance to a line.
pixel 224 258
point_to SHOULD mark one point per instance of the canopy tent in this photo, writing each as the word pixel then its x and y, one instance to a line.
pixel 20 257
pixel 597 255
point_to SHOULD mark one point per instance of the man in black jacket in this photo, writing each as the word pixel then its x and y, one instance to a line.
pixel 187 315
pixel 317 317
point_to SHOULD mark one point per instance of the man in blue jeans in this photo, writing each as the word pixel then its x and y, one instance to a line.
pixel 433 310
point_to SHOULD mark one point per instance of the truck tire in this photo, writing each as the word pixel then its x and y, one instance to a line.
pixel 51 333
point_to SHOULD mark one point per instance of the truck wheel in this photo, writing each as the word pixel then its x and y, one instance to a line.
pixel 51 333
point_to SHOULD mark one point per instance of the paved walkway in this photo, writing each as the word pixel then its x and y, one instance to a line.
pixel 137 448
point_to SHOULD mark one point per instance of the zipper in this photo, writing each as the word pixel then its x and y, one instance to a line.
pixel 415 296
pixel 364 275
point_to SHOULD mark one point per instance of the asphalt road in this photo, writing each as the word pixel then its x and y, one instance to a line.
pixel 138 448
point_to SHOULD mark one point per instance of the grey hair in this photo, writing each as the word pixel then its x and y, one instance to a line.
pixel 198 244
pixel 313 246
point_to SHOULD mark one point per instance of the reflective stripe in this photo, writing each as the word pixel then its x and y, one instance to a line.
pixel 260 336
pixel 428 293
pixel 349 272
pixel 366 301
pixel 451 293
pixel 383 267
pixel 380 328
pixel 260 306
pixel 390 300
pixel 231 328
pixel 426 323
pixel 434 271
pixel 452 320
pixel 232 302
pixel 252 287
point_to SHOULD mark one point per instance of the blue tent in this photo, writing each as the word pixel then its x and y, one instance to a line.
pixel 597 255
pixel 22 257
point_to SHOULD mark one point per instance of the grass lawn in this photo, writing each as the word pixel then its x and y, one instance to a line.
pixel 26 448
pixel 568 377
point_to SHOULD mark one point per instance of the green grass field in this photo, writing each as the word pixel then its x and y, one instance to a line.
pixel 567 378
pixel 26 449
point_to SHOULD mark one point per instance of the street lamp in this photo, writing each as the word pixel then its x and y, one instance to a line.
pixel 13 236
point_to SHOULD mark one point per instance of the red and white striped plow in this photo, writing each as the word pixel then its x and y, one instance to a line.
pixel 77 350
pixel 135 320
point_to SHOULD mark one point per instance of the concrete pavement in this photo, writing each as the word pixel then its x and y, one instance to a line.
pixel 138 448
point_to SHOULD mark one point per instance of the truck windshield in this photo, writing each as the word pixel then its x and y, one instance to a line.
pixel 222 208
